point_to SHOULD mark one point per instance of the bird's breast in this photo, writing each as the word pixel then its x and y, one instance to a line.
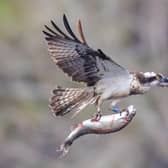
pixel 113 88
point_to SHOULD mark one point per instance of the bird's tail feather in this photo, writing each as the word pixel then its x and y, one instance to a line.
pixel 65 100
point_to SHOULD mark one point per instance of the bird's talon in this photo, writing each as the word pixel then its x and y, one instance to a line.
pixel 97 117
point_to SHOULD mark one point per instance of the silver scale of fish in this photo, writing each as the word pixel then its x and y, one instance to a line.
pixel 105 125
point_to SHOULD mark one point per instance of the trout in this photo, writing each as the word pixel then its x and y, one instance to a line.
pixel 105 125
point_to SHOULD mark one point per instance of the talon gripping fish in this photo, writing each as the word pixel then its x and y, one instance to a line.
pixel 107 124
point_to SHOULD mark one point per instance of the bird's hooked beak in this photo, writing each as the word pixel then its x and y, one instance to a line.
pixel 163 81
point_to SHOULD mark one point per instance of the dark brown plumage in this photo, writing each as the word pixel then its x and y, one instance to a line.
pixel 82 63
pixel 74 56
pixel 105 78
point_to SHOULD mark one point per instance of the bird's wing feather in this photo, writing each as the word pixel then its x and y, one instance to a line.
pixel 76 58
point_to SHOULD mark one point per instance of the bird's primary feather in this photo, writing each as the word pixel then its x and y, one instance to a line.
pixel 76 58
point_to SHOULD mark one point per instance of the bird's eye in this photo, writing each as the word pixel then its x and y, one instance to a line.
pixel 151 79
pixel 159 76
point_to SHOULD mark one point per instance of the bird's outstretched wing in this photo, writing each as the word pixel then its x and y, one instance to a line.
pixel 76 58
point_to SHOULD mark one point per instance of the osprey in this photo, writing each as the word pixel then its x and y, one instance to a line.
pixel 105 79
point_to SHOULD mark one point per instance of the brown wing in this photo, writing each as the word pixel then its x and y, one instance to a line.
pixel 75 57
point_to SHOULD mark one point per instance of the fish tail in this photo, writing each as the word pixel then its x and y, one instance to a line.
pixel 62 150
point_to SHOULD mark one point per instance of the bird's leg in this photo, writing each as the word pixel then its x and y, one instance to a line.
pixel 98 114
pixel 114 107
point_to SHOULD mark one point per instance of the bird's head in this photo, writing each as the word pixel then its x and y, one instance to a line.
pixel 149 79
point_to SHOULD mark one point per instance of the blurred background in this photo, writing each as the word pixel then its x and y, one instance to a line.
pixel 133 32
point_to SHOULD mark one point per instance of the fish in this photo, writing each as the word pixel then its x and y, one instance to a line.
pixel 105 125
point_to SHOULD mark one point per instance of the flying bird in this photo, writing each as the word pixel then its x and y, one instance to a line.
pixel 104 78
